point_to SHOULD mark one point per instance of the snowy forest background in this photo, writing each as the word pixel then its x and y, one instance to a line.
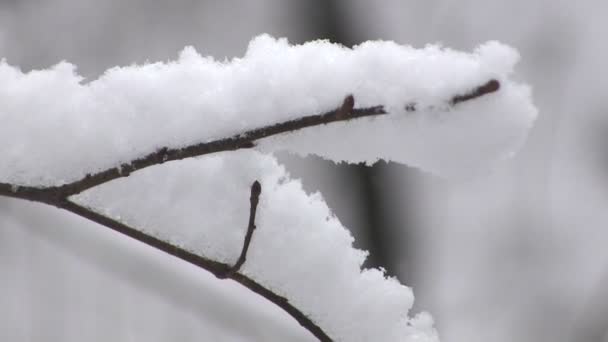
pixel 517 254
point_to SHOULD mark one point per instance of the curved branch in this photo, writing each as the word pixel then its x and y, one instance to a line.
pixel 216 268
pixel 256 189
pixel 58 196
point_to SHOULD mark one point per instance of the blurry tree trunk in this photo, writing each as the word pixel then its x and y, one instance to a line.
pixel 380 227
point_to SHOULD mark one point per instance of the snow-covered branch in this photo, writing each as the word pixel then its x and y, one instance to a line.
pixel 72 145
pixel 254 199
pixel 247 139
pixel 59 195
pixel 218 269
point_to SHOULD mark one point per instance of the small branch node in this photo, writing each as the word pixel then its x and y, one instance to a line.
pixel 256 190
pixel 346 108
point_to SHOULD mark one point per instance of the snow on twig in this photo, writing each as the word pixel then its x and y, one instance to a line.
pixel 99 148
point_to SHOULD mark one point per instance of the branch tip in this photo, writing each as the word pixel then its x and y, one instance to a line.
pixel 256 190
pixel 489 87
pixel 58 195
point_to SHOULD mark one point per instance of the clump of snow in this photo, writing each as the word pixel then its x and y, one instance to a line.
pixel 445 140
pixel 56 128
pixel 300 249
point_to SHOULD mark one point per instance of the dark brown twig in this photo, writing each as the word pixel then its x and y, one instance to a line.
pixel 216 268
pixel 238 141
pixel 256 190
pixel 487 88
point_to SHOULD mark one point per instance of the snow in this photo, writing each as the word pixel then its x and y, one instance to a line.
pixel 300 249
pixel 65 279
pixel 57 127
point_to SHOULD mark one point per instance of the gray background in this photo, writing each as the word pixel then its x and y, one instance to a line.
pixel 518 254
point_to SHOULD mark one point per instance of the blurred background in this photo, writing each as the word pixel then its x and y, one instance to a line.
pixel 516 254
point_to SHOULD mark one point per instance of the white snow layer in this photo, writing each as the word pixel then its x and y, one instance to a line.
pixel 56 128
pixel 299 250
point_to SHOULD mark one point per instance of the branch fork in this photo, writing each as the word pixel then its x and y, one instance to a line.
pixel 59 196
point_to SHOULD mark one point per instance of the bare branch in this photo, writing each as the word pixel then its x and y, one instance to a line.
pixel 256 189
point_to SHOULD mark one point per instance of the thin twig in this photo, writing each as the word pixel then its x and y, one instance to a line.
pixel 58 196
pixel 216 268
pixel 256 190
pixel 487 88
pixel 347 107
pixel 238 141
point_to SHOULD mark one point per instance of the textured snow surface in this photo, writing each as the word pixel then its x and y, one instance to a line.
pixel 55 127
pixel 300 250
